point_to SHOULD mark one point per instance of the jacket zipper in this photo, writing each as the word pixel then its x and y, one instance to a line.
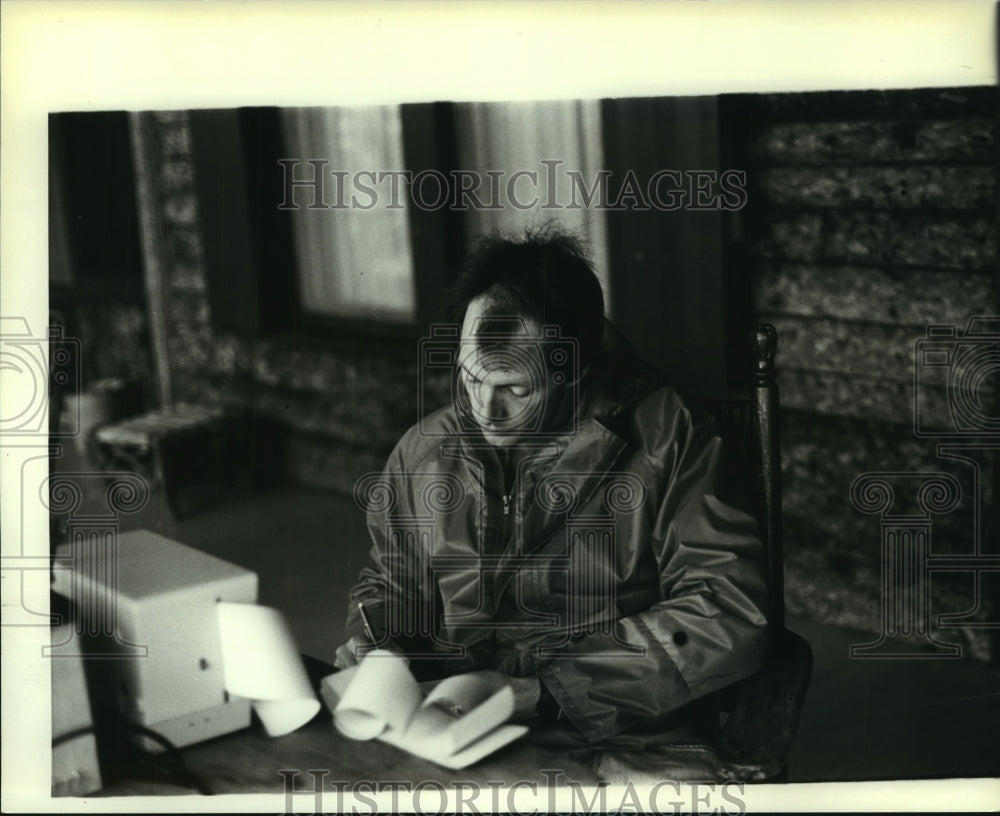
pixel 504 526
pixel 505 532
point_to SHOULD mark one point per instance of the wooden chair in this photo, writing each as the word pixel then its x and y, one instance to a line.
pixel 759 715
pixel 764 709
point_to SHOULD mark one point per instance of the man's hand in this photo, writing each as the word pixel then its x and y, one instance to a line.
pixel 351 653
pixel 527 690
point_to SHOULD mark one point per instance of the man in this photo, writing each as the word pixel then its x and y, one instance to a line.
pixel 557 527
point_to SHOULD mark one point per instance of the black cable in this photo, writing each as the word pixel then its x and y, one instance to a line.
pixel 183 771
pixel 72 735
pixel 174 753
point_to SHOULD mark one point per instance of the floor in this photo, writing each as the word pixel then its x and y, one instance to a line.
pixel 863 719
pixel 893 719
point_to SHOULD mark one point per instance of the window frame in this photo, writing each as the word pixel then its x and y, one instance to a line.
pixel 249 251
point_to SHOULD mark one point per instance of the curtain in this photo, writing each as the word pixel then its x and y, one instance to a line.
pixel 550 139
pixel 355 259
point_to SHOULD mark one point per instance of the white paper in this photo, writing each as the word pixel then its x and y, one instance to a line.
pixel 484 711
pixel 262 663
pixel 379 698
pixel 381 693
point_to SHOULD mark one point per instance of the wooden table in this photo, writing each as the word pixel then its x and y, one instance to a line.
pixel 249 761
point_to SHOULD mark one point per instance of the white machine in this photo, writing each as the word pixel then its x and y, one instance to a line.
pixel 146 615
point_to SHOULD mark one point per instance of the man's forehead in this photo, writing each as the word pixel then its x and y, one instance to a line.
pixel 483 319
pixel 492 341
pixel 480 357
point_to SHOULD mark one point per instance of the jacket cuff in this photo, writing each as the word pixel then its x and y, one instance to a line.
pixel 549 679
pixel 547 710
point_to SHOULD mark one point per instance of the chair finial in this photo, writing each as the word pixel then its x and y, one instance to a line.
pixel 765 341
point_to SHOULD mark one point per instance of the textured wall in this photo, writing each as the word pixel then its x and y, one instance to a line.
pixel 869 217
pixel 116 339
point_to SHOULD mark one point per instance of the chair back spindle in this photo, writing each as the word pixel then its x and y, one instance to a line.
pixel 764 410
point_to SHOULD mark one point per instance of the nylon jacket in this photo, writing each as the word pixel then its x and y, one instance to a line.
pixel 609 568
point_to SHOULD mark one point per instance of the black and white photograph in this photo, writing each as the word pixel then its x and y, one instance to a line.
pixel 631 446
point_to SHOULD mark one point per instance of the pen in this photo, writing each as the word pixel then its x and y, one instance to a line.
pixel 369 631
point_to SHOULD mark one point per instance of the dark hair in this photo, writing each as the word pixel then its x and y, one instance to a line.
pixel 543 275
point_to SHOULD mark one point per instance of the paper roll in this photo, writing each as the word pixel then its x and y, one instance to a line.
pixel 262 663
pixel 381 694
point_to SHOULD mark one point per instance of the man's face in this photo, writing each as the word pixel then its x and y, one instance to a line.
pixel 511 393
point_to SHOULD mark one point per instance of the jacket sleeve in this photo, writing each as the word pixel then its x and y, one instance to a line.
pixel 393 586
pixel 709 629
